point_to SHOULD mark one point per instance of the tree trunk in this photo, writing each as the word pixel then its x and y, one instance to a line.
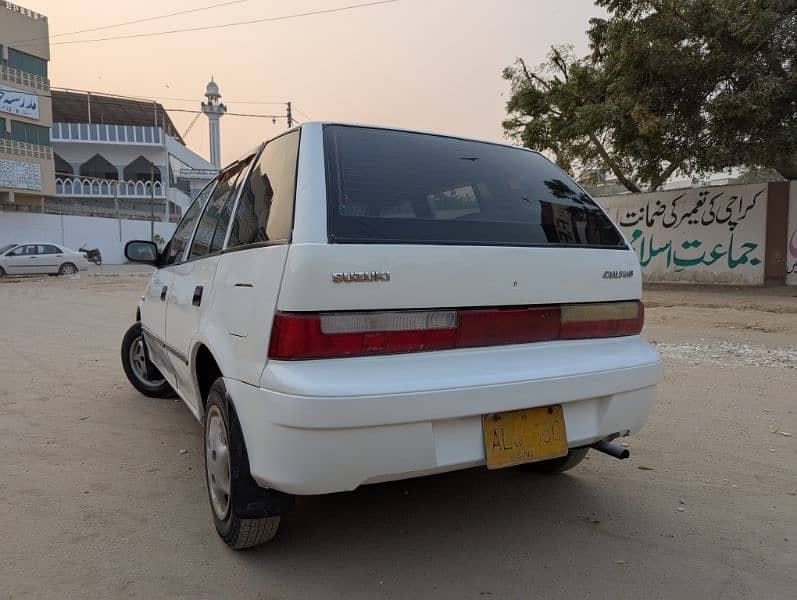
pixel 612 164
pixel 657 182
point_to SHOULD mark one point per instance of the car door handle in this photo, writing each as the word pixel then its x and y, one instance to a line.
pixel 163 292
pixel 197 296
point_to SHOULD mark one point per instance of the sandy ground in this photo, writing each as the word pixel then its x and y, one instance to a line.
pixel 99 502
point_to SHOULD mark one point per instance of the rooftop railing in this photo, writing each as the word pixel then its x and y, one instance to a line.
pixel 23 11
pixel 99 133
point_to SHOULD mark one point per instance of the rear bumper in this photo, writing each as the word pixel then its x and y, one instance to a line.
pixel 423 422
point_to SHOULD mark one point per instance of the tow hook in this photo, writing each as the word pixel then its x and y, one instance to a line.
pixel 614 450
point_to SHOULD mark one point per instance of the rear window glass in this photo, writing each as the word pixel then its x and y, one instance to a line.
pixel 388 186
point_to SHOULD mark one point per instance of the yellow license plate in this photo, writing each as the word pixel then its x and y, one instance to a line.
pixel 523 436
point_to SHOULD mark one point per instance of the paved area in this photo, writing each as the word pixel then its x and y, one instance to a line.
pixel 100 501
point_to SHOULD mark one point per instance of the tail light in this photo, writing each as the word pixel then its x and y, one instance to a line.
pixel 296 336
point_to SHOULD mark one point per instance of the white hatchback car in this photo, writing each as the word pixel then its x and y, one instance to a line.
pixel 353 304
pixel 35 258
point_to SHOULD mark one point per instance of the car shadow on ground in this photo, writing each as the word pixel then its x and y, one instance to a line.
pixel 475 521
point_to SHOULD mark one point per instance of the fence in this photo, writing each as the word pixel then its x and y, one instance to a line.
pixel 109 235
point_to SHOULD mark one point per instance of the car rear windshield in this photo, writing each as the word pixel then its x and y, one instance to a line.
pixel 387 186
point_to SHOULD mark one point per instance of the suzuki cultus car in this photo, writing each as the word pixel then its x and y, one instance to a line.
pixel 350 304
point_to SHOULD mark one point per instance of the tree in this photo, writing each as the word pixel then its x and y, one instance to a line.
pixel 687 85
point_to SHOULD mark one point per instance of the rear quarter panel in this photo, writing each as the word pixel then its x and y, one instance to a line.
pixel 237 326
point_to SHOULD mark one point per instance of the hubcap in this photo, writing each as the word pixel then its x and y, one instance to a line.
pixel 217 461
pixel 138 361
pixel 69 270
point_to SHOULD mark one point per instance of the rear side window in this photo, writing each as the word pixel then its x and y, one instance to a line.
pixel 50 249
pixel 265 208
pixel 212 226
pixel 388 186
pixel 175 251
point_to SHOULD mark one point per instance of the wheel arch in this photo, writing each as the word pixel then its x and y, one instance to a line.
pixel 206 370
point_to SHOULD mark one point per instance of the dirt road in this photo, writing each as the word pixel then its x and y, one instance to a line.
pixel 99 500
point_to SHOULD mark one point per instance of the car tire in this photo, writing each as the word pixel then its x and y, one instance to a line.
pixel 245 515
pixel 67 269
pixel 2 272
pixel 144 376
pixel 558 465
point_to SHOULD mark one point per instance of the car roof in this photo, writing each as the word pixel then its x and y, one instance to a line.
pixel 423 132
pixel 383 127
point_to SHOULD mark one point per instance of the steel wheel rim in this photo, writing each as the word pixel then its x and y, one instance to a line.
pixel 217 462
pixel 138 362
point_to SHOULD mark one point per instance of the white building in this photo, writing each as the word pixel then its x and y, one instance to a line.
pixel 121 157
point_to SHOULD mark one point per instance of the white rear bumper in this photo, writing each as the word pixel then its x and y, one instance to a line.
pixel 314 428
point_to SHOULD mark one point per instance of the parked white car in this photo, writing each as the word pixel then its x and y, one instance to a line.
pixel 33 258
pixel 350 304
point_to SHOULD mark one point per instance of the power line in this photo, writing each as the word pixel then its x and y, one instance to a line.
pixel 150 98
pixel 233 24
pixel 301 112
pixel 230 114
pixel 136 21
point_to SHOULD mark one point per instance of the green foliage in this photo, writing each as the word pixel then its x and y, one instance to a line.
pixel 688 85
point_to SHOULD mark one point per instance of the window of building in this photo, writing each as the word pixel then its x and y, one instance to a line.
pixel 62 167
pixel 31 134
pixel 212 226
pixel 265 209
pixel 175 250
pixel 142 169
pixel 27 62
pixel 98 166
pixel 2 127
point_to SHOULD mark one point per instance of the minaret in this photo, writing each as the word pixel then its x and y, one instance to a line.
pixel 215 111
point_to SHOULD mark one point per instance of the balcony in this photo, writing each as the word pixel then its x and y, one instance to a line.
pixel 97 133
pixel 89 187
pixel 12 75
pixel 25 149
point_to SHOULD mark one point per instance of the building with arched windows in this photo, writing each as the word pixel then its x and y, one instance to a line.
pixel 121 157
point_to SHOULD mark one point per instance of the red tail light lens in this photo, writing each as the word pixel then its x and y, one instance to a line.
pixel 296 336
pixel 492 327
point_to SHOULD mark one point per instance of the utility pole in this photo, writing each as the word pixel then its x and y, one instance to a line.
pixel 151 203
pixel 290 116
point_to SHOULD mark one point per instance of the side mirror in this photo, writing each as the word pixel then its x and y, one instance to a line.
pixel 142 252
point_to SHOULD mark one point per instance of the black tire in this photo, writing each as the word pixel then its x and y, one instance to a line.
pixel 252 514
pixel 2 272
pixel 152 384
pixel 558 465
pixel 67 266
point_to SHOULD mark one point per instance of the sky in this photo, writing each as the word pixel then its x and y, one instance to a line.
pixel 433 65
